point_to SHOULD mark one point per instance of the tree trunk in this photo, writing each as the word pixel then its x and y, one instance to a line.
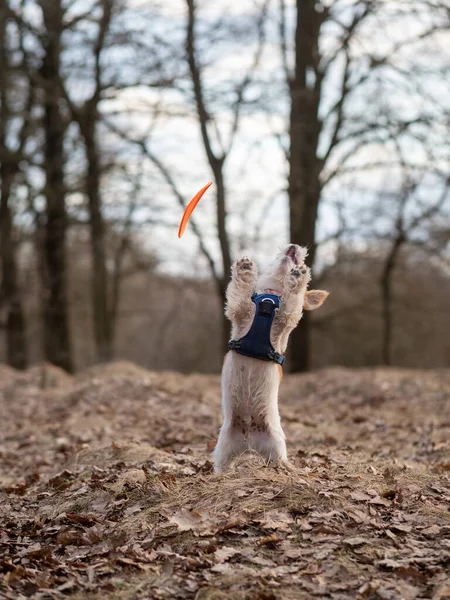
pixel 215 162
pixel 103 329
pixel 304 165
pixel 15 324
pixel 387 320
pixel 16 351
pixel 386 301
pixel 55 310
pixel 225 250
pixel 221 224
pixel 104 312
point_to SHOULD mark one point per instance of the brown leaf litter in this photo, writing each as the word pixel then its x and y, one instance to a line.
pixel 107 489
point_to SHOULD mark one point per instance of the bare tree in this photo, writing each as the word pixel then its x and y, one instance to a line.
pixel 325 135
pixel 304 167
pixel 113 112
pixel 218 150
pixel 10 295
pixel 55 303
pixel 215 160
pixel 405 231
pixel 87 116
pixel 205 101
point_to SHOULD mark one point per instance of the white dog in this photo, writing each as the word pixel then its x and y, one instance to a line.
pixel 263 310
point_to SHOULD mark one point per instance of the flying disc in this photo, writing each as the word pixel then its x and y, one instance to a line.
pixel 190 208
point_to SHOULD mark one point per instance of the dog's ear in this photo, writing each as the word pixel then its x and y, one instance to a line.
pixel 314 299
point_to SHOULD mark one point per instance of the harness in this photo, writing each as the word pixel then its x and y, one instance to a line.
pixel 256 343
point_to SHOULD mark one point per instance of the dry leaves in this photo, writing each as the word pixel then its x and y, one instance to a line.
pixel 107 490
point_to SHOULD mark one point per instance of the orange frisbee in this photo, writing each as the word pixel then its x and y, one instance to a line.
pixel 190 208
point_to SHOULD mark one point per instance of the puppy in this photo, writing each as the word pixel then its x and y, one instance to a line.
pixel 263 310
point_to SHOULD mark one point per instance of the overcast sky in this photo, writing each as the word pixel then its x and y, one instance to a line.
pixel 256 169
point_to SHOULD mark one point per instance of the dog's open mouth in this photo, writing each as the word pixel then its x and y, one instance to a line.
pixel 291 252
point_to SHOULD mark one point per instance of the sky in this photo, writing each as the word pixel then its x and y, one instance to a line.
pixel 256 168
pixel 414 84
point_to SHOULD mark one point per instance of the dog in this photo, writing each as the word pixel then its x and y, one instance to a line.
pixel 263 309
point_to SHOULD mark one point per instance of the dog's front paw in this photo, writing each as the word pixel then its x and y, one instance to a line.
pixel 245 269
pixel 299 271
pixel 245 264
pixel 299 275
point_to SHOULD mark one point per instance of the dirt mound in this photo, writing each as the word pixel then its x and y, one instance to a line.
pixel 108 489
pixel 7 374
pixel 123 369
pixel 43 376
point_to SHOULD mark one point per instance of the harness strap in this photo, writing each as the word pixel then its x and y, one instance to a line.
pixel 256 343
pixel 271 355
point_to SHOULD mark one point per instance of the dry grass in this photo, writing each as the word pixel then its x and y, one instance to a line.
pixel 108 490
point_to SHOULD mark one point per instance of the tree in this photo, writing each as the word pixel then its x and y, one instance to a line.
pixel 217 145
pixel 412 218
pixel 10 295
pixel 216 160
pixel 304 166
pixel 87 116
pixel 327 135
pixel 218 108
pixel 123 91
pixel 57 342
pixel 101 44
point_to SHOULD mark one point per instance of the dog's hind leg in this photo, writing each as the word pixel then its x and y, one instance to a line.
pixel 270 443
pixel 231 442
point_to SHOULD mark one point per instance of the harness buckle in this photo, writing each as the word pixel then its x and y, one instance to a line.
pixel 278 358
pixel 232 344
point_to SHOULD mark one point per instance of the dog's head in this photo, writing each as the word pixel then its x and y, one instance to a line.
pixel 288 276
pixel 290 262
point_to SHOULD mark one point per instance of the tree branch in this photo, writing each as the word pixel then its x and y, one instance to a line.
pixel 164 171
pixel 248 77
pixel 283 42
pixel 198 87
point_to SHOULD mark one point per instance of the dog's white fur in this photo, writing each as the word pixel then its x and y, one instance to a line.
pixel 249 385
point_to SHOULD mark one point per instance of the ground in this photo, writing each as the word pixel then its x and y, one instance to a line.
pixel 107 489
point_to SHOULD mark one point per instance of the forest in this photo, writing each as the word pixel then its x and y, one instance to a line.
pixel 322 123
pixel 325 126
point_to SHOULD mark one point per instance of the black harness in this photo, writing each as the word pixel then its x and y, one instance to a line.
pixel 256 343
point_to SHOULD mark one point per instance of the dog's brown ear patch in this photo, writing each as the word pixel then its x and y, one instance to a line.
pixel 314 299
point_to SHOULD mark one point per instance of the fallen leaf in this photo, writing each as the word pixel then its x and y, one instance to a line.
pixel 86 520
pixel 225 553
pixel 20 489
pixel 187 520
pixel 222 568
pixel 356 541
pixel 432 531
pixel 399 528
pixel 270 540
pixel 276 519
pixel 378 501
pixel 360 497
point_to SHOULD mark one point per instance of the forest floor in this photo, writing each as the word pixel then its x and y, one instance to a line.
pixel 107 490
